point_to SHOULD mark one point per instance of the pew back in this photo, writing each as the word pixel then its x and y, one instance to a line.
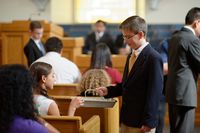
pixel 64 90
pixel 68 124
pixel 109 116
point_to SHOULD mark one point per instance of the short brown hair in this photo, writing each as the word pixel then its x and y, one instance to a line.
pixel 101 21
pixel 35 25
pixel 134 24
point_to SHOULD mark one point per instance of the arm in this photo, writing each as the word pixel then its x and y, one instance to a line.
pixel 86 47
pixel 163 50
pixel 53 109
pixel 110 43
pixel 114 91
pixel 50 128
pixel 165 68
pixel 74 104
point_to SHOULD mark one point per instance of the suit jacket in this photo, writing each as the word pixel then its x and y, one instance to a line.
pixel 184 66
pixel 90 42
pixel 32 52
pixel 141 89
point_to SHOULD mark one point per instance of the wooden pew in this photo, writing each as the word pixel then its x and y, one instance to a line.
pixel 68 124
pixel 64 90
pixel 109 117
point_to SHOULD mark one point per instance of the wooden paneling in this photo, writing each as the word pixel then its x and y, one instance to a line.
pixel 197 113
pixel 12 48
pixel 72 47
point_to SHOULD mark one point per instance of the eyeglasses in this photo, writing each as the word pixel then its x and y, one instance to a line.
pixel 129 37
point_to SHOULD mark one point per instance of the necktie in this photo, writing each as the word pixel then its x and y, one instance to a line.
pixel 132 60
pixel 42 48
pixel 97 37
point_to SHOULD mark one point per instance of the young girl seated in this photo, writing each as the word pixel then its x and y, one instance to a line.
pixel 17 114
pixel 93 79
pixel 44 79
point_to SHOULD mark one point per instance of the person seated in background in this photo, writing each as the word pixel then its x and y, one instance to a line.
pixel 122 47
pixel 43 77
pixel 34 49
pixel 92 79
pixel 17 113
pixel 101 59
pixel 66 72
pixel 99 35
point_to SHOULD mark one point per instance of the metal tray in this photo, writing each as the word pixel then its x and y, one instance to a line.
pixel 99 102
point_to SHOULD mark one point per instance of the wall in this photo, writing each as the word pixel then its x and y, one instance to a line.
pixel 21 10
pixel 61 11
pixel 170 11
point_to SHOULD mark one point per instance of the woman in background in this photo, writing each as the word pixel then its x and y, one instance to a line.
pixel 17 114
pixel 101 59
pixel 44 79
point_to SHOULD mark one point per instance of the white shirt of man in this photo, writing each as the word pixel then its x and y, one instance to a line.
pixel 66 72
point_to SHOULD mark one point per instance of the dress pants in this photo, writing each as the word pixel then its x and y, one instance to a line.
pixel 181 119
pixel 127 129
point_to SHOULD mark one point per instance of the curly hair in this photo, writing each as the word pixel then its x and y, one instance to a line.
pixel 37 70
pixel 16 97
pixel 94 78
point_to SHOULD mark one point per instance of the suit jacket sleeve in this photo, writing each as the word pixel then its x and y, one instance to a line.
pixel 86 46
pixel 154 91
pixel 114 91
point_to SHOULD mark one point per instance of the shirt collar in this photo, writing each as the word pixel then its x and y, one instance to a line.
pixel 52 53
pixel 139 50
pixel 188 27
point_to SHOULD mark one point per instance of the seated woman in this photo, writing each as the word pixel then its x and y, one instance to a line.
pixel 101 59
pixel 17 114
pixel 92 79
pixel 44 79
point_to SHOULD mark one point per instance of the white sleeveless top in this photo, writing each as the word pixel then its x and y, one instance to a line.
pixel 42 104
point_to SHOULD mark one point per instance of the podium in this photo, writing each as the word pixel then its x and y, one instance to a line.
pixel 15 35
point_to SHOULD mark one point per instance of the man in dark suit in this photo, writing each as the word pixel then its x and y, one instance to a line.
pixel 34 49
pixel 99 35
pixel 142 82
pixel 183 69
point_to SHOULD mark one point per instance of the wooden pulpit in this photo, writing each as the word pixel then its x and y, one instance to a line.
pixel 16 34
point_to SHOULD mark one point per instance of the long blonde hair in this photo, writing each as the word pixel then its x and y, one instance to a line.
pixel 94 78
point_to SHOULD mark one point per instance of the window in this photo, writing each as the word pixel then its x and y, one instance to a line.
pixel 112 11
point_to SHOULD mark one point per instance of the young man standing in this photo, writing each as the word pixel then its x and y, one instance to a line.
pixel 34 49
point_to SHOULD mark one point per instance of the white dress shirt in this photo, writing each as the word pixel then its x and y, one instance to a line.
pixel 66 71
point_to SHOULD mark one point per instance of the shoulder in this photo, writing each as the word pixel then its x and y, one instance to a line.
pixel 29 44
pixel 68 62
pixel 42 99
pixel 111 70
pixel 22 125
pixel 152 53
